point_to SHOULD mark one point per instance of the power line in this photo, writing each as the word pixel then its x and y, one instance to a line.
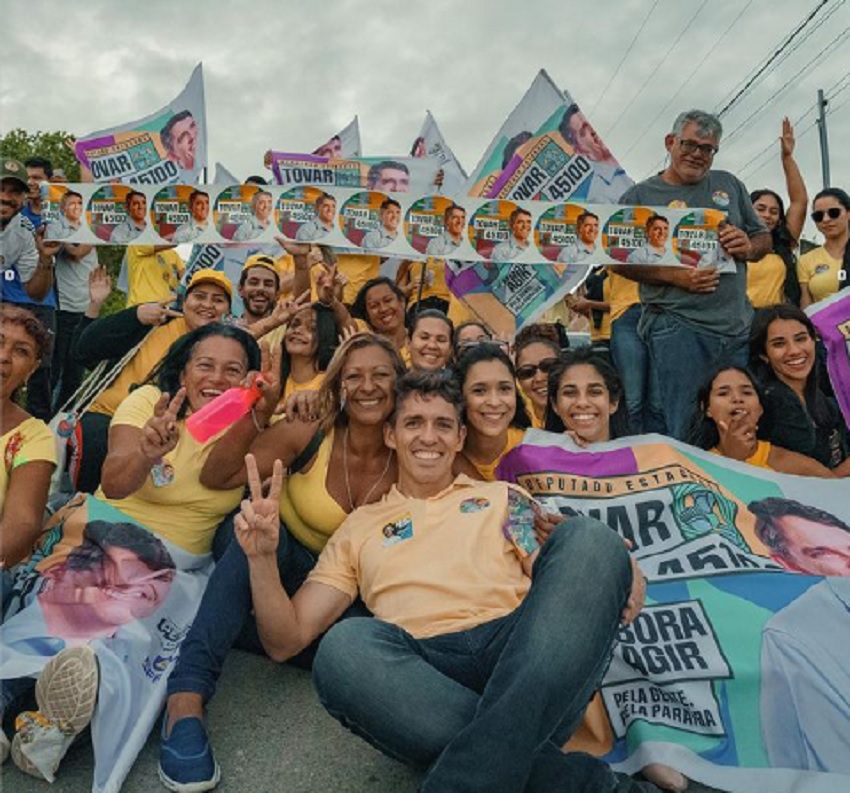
pixel 623 59
pixel 831 94
pixel 771 59
pixel 639 138
pixel 657 67
pixel 837 40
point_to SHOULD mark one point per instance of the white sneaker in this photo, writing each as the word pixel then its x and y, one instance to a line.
pixel 66 693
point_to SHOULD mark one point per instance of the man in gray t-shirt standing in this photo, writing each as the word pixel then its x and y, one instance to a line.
pixel 697 315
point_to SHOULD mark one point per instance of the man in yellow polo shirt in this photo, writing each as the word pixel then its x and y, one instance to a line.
pixel 484 649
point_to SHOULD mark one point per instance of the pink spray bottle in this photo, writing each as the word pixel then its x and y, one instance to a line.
pixel 223 411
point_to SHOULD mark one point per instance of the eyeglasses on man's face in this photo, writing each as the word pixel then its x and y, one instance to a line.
pixel 707 150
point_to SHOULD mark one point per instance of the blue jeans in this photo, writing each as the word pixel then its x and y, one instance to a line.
pixel 224 618
pixel 640 384
pixel 682 358
pixel 487 708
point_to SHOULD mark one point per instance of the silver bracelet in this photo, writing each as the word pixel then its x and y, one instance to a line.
pixel 256 423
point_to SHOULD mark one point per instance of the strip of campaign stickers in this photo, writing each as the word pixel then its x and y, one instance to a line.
pixel 410 226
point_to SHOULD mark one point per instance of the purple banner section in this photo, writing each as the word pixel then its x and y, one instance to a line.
pixel 833 323
pixel 528 458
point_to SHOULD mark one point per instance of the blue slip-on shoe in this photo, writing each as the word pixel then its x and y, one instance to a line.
pixel 186 762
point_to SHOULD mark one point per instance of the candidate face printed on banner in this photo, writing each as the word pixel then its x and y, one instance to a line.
pixel 180 138
pixel 332 149
pixel 72 208
pixel 389 176
pixel 199 206
pixel 579 132
pixel 588 229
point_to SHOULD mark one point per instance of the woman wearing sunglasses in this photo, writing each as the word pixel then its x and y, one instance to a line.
pixel 826 269
pixel 536 354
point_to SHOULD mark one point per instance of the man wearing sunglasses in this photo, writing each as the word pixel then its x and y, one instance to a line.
pixel 697 315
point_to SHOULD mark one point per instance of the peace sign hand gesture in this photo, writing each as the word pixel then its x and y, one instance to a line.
pixel 258 523
pixel 160 433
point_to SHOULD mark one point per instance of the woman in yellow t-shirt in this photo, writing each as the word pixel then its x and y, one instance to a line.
pixel 309 343
pixel 26 443
pixel 381 305
pixel 825 270
pixel 494 412
pixel 113 559
pixel 773 278
pixel 342 463
pixel 729 407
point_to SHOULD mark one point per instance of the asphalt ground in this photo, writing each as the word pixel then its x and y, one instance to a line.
pixel 269 734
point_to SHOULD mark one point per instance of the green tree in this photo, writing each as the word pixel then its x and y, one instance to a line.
pixel 56 146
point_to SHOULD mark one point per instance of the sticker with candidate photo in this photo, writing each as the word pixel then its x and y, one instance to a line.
pixel 370 220
pixel 695 239
pixel 435 226
pixel 637 235
pixel 568 234
pixel 306 214
pixel 181 213
pixel 62 212
pixel 500 231
pixel 398 530
pixel 117 213
pixel 244 213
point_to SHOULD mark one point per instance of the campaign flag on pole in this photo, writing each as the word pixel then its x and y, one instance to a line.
pixel 223 176
pixel 832 319
pixel 548 150
pixel 166 147
pixel 431 143
pixel 735 672
pixel 346 142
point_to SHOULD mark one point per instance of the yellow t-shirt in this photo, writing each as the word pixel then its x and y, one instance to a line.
pixel 766 281
pixel 358 270
pixel 622 295
pixel 152 275
pixel 151 352
pixel 819 271
pixel 435 280
pixel 488 470
pixel 172 502
pixel 311 385
pixel 306 508
pixel 286 267
pixel 432 566
pixel 759 458
pixel 29 442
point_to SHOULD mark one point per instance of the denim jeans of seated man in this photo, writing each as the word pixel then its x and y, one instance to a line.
pixel 487 708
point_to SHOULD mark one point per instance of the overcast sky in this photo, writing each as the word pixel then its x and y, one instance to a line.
pixel 287 75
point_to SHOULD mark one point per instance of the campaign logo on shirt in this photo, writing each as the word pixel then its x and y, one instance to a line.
pixel 821 268
pixel 678 203
pixel 398 530
pixel 721 198
pixel 474 504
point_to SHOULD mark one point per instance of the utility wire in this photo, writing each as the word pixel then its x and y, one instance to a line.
pixel 657 67
pixel 820 56
pixel 623 59
pixel 639 138
pixel 731 103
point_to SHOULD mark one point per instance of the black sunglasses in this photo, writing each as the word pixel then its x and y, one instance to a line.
pixel 528 370
pixel 833 213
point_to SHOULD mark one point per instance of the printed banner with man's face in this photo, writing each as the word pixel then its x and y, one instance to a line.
pixel 99 578
pixel 166 147
pixel 388 217
pixel 735 672
pixel 832 319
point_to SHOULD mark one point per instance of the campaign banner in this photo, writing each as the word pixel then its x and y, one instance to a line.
pixel 346 142
pixel 102 579
pixel 547 150
pixel 832 319
pixel 431 143
pixel 735 671
pixel 410 225
pixel 384 174
pixel 166 147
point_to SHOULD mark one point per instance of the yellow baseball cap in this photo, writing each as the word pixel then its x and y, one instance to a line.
pixel 261 260
pixel 207 275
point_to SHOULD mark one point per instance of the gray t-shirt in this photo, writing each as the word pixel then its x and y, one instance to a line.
pixel 726 311
pixel 72 280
